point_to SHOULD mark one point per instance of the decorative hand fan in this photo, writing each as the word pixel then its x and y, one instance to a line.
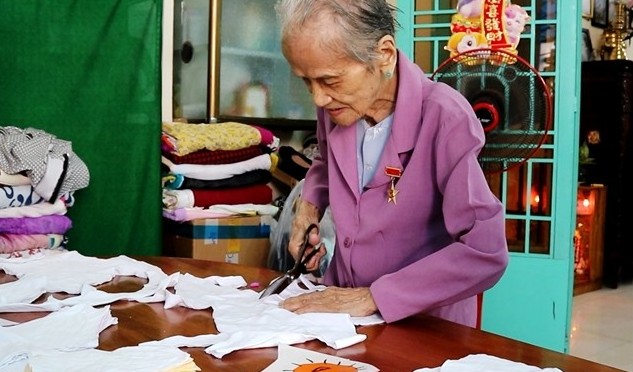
pixel 510 98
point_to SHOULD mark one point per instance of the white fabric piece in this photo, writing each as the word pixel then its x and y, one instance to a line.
pixel 70 272
pixel 188 341
pixel 31 308
pixel 153 291
pixel 243 320
pixel 133 358
pixel 290 358
pixel 485 363
pixel 22 291
pixel 244 209
pixel 71 328
pixel 196 293
pixel 246 322
pixel 35 210
pixel 212 172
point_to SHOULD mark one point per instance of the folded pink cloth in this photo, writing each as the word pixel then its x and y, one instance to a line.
pixel 20 242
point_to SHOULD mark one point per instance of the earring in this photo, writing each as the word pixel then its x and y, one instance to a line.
pixel 388 74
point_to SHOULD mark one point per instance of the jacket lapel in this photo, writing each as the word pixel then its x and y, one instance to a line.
pixel 342 142
pixel 406 123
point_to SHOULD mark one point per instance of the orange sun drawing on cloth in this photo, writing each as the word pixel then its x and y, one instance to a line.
pixel 323 367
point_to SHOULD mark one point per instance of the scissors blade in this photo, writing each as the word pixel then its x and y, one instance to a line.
pixel 282 282
pixel 277 285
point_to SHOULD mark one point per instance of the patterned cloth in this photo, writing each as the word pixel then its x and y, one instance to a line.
pixel 48 161
pixel 18 196
pixel 186 138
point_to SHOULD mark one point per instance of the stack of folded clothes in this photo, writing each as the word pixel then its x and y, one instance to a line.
pixel 39 174
pixel 216 170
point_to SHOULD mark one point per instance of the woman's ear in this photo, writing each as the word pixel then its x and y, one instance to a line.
pixel 388 52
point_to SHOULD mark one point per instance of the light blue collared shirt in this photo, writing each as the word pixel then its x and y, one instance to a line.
pixel 370 143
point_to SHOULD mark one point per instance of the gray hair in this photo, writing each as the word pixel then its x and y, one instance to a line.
pixel 362 22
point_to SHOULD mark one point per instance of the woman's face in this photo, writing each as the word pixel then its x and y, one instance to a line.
pixel 346 88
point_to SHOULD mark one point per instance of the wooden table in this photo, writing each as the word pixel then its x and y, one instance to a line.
pixel 406 345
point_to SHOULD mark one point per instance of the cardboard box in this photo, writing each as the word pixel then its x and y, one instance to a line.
pixel 240 240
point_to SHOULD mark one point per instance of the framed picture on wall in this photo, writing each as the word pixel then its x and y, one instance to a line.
pixel 600 16
pixel 587 9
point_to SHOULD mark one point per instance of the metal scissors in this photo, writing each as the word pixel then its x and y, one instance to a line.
pixel 280 283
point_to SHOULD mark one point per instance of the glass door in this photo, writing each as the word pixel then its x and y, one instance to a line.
pixel 228 65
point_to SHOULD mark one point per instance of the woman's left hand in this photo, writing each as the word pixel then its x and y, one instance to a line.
pixel 353 301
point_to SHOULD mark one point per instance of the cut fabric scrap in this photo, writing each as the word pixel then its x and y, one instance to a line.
pixel 131 358
pixel 74 273
pixel 246 322
pixel 72 328
pixel 26 290
pixel 488 363
pixel 197 293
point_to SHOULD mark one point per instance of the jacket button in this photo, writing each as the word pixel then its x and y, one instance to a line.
pixel 347 242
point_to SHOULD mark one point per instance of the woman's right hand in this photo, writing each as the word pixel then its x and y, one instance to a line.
pixel 305 215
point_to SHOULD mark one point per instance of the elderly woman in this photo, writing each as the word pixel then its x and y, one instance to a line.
pixel 417 227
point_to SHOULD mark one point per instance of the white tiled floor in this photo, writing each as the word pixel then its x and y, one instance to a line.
pixel 602 327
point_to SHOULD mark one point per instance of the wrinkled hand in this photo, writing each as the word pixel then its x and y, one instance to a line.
pixel 305 215
pixel 353 301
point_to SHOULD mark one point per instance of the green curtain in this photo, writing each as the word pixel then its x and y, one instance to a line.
pixel 88 71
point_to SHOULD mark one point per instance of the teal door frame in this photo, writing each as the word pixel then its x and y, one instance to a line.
pixel 533 300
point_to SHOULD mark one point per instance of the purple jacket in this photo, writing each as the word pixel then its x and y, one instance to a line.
pixel 444 241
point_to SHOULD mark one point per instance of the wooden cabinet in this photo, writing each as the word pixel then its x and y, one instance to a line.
pixel 589 238
pixel 606 127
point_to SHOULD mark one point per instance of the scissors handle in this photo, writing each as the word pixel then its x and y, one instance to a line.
pixel 299 266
